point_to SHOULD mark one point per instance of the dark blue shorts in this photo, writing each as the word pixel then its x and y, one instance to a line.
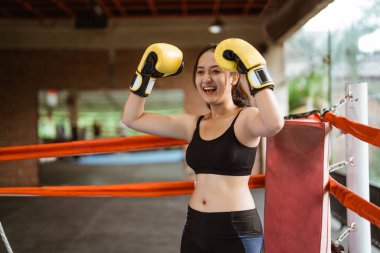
pixel 222 232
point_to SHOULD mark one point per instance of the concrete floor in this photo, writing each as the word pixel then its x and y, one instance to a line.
pixel 63 225
pixel 93 224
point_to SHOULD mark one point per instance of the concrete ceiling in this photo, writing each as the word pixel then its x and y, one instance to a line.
pixel 137 23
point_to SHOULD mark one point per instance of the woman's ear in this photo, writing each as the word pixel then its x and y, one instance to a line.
pixel 235 78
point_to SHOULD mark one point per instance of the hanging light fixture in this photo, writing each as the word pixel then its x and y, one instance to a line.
pixel 216 26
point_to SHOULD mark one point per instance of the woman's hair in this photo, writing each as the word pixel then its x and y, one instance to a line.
pixel 239 97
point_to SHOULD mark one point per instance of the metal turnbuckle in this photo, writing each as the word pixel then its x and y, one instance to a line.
pixel 348 97
pixel 336 245
pixel 338 166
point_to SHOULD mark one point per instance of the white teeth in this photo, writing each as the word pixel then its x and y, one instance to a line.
pixel 209 88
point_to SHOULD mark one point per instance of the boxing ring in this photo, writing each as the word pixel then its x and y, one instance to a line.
pixel 297 182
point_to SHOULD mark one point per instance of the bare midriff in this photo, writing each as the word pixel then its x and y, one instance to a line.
pixel 219 193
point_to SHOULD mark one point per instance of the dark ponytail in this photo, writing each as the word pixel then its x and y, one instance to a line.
pixel 239 96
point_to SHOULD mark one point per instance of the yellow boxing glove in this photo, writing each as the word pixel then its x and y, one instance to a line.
pixel 159 60
pixel 238 55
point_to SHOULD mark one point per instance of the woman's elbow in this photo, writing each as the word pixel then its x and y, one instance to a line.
pixel 131 119
pixel 127 121
pixel 276 127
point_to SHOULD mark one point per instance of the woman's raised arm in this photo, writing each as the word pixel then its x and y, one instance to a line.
pixel 159 60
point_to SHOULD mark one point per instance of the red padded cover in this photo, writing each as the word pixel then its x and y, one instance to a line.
pixel 297 207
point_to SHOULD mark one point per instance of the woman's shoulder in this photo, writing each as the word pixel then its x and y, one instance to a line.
pixel 188 122
pixel 247 116
pixel 249 111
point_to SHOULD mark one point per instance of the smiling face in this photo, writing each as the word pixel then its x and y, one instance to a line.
pixel 213 83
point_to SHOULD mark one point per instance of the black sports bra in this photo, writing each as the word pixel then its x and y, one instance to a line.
pixel 224 155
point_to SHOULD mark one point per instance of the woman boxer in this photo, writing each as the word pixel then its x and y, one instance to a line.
pixel 222 144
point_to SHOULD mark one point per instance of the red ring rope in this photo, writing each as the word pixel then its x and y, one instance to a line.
pixel 71 148
pixel 151 189
pixel 365 133
pixel 354 202
pixel 349 199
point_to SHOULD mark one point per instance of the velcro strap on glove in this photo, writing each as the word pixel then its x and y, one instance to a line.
pixel 259 78
pixel 142 85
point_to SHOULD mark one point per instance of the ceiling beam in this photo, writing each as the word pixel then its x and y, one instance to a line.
pixel 62 6
pixel 30 8
pixel 184 8
pixel 216 7
pixel 253 4
pixel 104 7
pixel 120 7
pixel 291 17
pixel 247 7
pixel 152 7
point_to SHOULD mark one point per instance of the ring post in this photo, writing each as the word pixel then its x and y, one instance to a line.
pixel 357 168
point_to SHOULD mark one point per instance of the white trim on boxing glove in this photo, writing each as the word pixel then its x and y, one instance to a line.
pixel 150 85
pixel 136 82
pixel 259 77
pixel 140 86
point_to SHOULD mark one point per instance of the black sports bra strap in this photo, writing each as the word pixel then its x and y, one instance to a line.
pixel 199 120
pixel 233 122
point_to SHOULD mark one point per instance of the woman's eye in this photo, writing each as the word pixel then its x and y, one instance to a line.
pixel 215 71
pixel 200 72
